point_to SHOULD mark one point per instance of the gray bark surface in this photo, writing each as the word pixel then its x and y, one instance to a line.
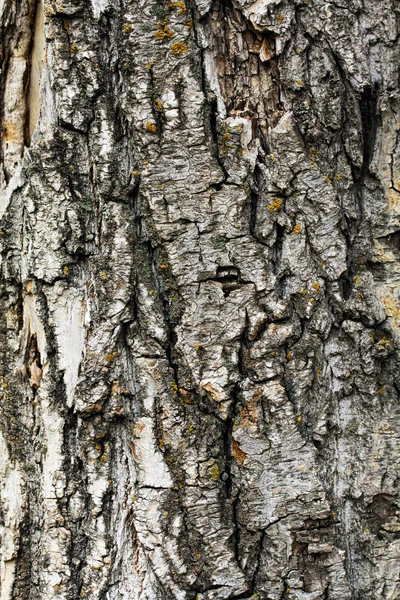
pixel 200 300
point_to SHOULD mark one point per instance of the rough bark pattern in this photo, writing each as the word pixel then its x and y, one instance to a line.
pixel 200 300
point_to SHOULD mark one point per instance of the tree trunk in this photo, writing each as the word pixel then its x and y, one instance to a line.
pixel 200 300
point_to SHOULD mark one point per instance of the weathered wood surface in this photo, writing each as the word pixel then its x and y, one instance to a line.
pixel 200 300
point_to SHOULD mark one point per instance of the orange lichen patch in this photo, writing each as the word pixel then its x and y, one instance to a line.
pixel 211 390
pixel 189 24
pixel 180 5
pixel 316 287
pixel 303 292
pixel 276 205
pixel 159 104
pixel 296 229
pixel 237 453
pixel 392 305
pixel 151 127
pixel 280 18
pixel 289 356
pixel 73 48
pixel 65 271
pixel 178 48
pixel 127 28
pixel 163 32
pixel 213 471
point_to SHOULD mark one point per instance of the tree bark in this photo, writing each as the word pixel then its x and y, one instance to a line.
pixel 200 300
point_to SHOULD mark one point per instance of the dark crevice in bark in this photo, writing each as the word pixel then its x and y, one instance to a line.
pixel 368 109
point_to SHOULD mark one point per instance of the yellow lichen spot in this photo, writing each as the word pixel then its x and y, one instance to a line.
pixel 150 64
pixel 382 390
pixel 151 126
pixel 316 286
pixel 110 356
pixel 165 265
pixel 189 24
pixel 66 26
pixel 273 354
pixel 133 498
pixel 73 48
pixel 303 292
pixel 328 179
pixel 333 514
pixel 1 233
pixel 135 173
pixel 280 18
pixel 318 372
pixel 312 300
pixel 276 205
pixel 299 82
pixel 178 48
pixel 98 448
pixel 174 386
pixel 197 346
pixel 289 356
pixel 348 374
pixel 103 275
pixel 213 471
pixel 163 32
pixel 180 5
pixel 299 418
pixel 127 28
pixel 82 593
pixel 65 271
pixel 159 104
pixel 296 229
pixel 339 177
pixel 103 458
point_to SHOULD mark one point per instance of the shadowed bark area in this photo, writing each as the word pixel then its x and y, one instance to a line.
pixel 200 300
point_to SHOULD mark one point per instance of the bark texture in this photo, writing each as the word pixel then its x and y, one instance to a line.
pixel 200 300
